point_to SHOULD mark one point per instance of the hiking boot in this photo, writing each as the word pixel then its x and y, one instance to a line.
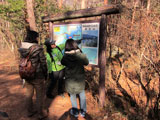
pixel 82 113
pixel 4 114
pixel 30 114
pixel 43 115
pixel 74 112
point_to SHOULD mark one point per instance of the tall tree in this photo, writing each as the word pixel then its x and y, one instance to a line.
pixel 12 23
pixel 83 4
pixel 136 3
pixel 31 16
pixel 60 3
pixel 106 2
pixel 148 6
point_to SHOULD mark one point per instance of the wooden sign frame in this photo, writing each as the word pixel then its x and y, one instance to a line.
pixel 92 41
pixel 102 11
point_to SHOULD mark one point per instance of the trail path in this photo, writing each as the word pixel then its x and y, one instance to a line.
pixel 12 98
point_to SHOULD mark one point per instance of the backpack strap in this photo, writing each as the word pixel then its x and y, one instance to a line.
pixel 31 50
pixel 59 49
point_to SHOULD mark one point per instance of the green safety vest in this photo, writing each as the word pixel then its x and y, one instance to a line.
pixel 55 65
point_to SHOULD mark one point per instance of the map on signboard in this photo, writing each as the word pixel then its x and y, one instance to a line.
pixel 63 32
pixel 90 41
pixel 85 34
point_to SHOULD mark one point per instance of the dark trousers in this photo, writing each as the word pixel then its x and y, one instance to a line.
pixel 54 77
pixel 39 89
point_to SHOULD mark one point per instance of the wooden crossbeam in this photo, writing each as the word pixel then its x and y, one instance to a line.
pixel 90 12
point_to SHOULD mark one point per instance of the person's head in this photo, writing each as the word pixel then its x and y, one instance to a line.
pixel 31 36
pixel 71 45
pixel 53 46
pixel 50 43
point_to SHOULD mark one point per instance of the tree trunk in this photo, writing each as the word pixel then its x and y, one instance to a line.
pixel 31 16
pixel 60 3
pixel 106 2
pixel 83 4
pixel 148 6
pixel 134 10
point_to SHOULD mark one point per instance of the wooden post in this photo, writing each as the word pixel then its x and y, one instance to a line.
pixel 102 58
pixel 51 30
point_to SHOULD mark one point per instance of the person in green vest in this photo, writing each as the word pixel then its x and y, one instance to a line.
pixel 55 68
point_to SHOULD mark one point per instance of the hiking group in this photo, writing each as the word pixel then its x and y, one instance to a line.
pixel 62 64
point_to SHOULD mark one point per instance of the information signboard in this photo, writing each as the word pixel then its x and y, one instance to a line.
pixel 85 34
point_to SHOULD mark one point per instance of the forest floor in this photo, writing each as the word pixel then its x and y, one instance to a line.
pixel 12 96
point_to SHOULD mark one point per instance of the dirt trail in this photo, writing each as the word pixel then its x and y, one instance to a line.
pixel 12 98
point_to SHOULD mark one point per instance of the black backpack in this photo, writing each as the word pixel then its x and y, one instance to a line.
pixel 26 69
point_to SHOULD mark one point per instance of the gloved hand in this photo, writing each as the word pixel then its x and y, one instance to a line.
pixel 58 63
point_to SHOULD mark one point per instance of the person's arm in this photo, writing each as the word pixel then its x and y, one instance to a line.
pixel 43 62
pixel 82 58
pixel 64 60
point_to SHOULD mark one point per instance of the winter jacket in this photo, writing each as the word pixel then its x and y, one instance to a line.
pixel 37 58
pixel 74 71
pixel 55 65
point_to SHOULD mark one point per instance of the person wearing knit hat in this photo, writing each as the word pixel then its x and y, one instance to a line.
pixel 37 84
pixel 31 36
